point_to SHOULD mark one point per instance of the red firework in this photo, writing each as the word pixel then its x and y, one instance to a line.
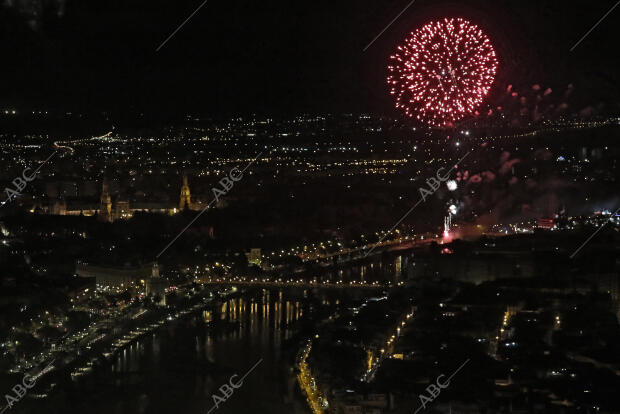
pixel 443 71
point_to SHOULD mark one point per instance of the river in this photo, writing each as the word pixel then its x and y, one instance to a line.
pixel 182 365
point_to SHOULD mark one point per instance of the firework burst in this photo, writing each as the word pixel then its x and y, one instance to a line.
pixel 443 71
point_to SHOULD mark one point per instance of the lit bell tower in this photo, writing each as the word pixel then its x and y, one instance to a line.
pixel 186 199
pixel 105 209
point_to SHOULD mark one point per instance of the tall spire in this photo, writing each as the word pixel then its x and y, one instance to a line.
pixel 186 199
pixel 105 209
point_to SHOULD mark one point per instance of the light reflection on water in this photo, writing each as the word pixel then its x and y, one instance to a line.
pixel 377 270
pixel 179 367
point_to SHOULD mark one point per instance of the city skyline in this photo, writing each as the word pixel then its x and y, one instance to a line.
pixel 364 207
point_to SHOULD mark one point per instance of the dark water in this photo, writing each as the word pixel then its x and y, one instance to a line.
pixel 391 267
pixel 182 365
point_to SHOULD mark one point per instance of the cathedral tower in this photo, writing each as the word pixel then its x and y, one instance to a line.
pixel 186 200
pixel 105 208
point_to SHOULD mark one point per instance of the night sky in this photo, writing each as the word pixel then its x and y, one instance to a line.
pixel 236 57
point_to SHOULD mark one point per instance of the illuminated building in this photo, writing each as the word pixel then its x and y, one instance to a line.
pixel 156 285
pixel 254 256
pixel 105 208
pixel 186 199
pixel 545 223
pixel 114 278
pixel 109 210
pixel 121 210
pixel 58 208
